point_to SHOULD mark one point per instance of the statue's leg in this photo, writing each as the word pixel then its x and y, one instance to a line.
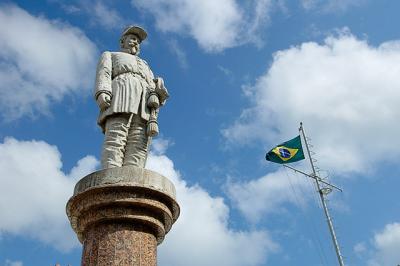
pixel 138 143
pixel 116 133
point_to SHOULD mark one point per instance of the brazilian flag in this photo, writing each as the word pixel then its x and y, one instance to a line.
pixel 287 152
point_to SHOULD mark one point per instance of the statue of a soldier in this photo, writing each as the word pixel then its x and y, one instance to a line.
pixel 128 96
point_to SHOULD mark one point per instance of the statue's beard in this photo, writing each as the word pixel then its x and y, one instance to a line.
pixel 132 50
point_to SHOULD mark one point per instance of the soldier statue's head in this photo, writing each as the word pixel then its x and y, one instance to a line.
pixel 131 38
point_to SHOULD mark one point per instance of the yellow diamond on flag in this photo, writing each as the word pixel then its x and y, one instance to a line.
pixel 287 152
pixel 284 153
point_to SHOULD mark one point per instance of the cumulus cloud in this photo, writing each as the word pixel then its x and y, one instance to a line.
pixel 100 13
pixel 346 92
pixel 159 146
pixel 386 245
pixel 215 25
pixel 359 249
pixel 202 235
pixel 34 191
pixel 37 189
pixel 268 194
pixel 180 54
pixel 41 61
pixel 330 5
pixel 105 16
pixel 13 263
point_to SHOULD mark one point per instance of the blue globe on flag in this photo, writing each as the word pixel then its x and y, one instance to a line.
pixel 285 153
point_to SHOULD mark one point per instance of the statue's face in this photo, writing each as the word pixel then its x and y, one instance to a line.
pixel 131 44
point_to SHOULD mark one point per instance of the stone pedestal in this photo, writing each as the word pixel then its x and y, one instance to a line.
pixel 121 214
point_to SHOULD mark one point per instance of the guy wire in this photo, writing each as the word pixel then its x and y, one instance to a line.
pixel 314 235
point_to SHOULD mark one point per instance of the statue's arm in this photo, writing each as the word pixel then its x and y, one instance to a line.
pixel 156 84
pixel 161 90
pixel 103 91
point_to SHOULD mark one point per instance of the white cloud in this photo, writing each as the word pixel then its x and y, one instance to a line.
pixel 103 15
pixel 202 235
pixel 387 244
pixel 345 90
pixel 269 194
pixel 100 13
pixel 13 263
pixel 215 25
pixel 160 145
pixel 360 249
pixel 70 9
pixel 330 5
pixel 41 61
pixel 308 4
pixel 180 54
pixel 34 191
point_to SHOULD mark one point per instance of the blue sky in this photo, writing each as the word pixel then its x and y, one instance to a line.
pixel 242 75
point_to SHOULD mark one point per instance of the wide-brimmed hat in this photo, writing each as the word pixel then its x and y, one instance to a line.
pixel 138 31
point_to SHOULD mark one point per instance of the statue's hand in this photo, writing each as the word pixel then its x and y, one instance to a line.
pixel 103 101
pixel 161 91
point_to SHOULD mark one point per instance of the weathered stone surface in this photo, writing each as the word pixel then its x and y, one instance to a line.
pixel 126 176
pixel 119 244
pixel 121 214
pixel 129 98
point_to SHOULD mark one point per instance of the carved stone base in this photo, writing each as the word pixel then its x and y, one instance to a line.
pixel 121 214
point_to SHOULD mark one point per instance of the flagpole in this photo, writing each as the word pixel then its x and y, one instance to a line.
pixel 322 197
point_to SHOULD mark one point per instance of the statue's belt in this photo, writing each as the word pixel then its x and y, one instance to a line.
pixel 136 74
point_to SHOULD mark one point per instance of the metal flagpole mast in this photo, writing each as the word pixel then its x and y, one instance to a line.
pixel 322 197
